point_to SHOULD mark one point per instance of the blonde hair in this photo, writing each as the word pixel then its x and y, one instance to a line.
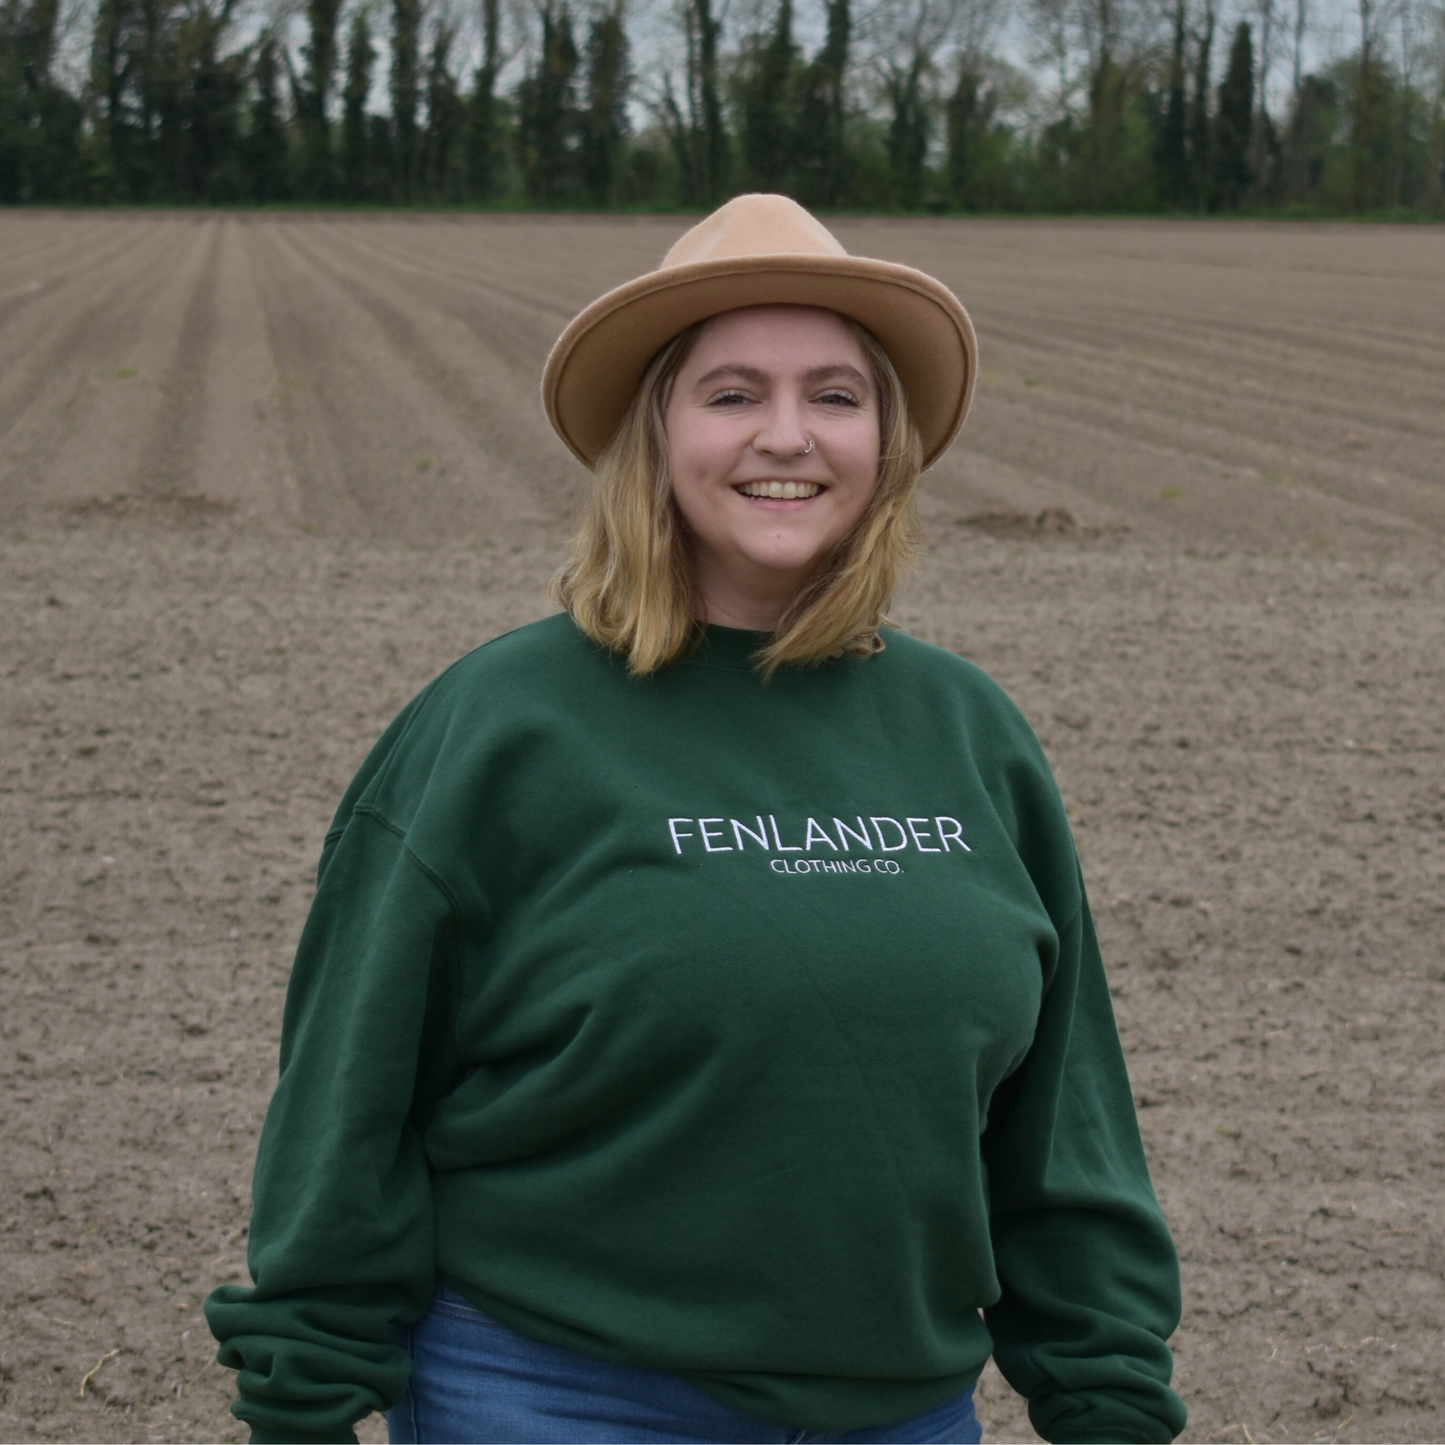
pixel 628 579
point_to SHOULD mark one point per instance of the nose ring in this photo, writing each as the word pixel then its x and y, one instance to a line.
pixel 809 447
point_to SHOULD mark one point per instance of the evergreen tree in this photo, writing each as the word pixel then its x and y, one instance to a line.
pixel 152 89
pixel 1313 122
pixel 319 55
pixel 40 122
pixel 482 148
pixel 708 141
pixel 818 145
pixel 443 120
pixel 405 45
pixel 356 179
pixel 266 149
pixel 1107 170
pixel 1370 107
pixel 109 80
pixel 547 110
pixel 908 129
pixel 1172 155
pixel 1201 129
pixel 380 155
pixel 203 117
pixel 766 95
pixel 1234 124
pixel 969 118
pixel 693 124
pixel 605 123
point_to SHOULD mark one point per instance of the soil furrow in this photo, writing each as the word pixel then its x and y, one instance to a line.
pixel 497 433
pixel 60 266
pixel 102 449
pixel 38 342
pixel 75 375
pixel 167 459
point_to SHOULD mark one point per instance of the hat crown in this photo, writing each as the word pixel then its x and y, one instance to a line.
pixel 753 225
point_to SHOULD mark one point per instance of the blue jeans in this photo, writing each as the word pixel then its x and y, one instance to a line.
pixel 474 1381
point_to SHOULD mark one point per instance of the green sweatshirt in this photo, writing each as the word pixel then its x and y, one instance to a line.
pixel 755 1031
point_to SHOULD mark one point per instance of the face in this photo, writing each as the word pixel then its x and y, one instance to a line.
pixel 763 507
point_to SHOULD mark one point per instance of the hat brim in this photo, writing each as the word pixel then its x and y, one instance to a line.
pixel 597 364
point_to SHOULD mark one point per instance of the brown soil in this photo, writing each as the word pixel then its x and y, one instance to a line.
pixel 260 478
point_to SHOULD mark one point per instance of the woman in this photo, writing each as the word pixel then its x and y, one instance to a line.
pixel 699 1032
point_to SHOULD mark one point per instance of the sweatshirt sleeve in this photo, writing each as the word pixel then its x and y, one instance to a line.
pixel 1089 1275
pixel 341 1247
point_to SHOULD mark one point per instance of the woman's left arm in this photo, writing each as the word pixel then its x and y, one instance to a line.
pixel 1089 1274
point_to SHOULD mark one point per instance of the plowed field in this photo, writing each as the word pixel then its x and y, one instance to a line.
pixel 261 477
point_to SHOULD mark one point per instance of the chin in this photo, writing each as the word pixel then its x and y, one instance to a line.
pixel 800 564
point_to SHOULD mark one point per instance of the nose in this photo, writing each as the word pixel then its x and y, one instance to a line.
pixel 782 433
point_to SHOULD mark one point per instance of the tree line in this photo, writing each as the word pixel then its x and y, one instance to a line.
pixel 906 105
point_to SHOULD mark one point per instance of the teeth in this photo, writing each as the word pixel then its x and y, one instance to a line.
pixel 783 491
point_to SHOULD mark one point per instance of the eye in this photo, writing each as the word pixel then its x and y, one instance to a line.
pixel 838 397
pixel 729 398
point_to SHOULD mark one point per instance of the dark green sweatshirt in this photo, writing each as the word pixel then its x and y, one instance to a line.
pixel 751 1030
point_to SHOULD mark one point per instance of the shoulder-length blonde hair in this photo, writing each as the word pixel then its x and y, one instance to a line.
pixel 628 579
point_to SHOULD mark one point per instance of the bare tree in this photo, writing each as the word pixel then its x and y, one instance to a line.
pixel 1263 140
pixel 907 46
pixel 1074 39
pixel 1297 44
pixel 1100 50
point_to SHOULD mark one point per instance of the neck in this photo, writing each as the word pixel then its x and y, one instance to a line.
pixel 753 603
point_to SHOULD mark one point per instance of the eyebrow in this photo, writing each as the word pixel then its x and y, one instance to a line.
pixel 761 378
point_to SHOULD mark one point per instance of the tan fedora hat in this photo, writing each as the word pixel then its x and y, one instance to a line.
pixel 755 251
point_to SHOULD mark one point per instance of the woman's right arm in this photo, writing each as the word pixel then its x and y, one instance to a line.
pixel 341 1246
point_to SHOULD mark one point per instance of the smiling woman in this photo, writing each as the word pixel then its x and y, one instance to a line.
pixel 699 1033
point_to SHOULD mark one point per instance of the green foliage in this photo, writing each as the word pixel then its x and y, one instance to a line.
pixel 768 118
pixel 910 123
pixel 821 151
pixel 1198 124
pixel 986 168
pixel 1171 150
pixel 1114 170
pixel 1234 125
pixel 482 119
pixel 358 177
pixel 1359 139
pixel 604 120
pixel 405 95
pixel 167 103
pixel 183 102
pixel 690 112
pixel 442 161
pixel 312 93
pixel 267 151
pixel 547 119
pixel 40 122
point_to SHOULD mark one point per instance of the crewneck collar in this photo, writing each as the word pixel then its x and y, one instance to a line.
pixel 732 649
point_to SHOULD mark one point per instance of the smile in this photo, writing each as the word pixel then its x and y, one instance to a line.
pixel 787 491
